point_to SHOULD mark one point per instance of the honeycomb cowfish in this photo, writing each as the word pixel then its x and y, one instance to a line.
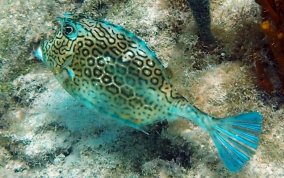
pixel 112 71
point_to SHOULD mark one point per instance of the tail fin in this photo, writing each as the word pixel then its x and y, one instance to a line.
pixel 236 138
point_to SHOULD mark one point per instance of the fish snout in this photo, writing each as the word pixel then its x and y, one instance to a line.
pixel 38 54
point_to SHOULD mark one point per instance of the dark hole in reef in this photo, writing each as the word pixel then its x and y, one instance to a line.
pixel 139 148
pixel 177 153
pixel 166 150
pixel 67 152
pixel 17 99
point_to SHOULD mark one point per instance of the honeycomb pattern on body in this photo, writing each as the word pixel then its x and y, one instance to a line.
pixel 115 71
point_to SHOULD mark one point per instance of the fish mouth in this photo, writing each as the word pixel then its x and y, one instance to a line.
pixel 38 54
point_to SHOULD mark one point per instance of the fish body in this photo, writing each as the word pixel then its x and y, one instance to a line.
pixel 112 71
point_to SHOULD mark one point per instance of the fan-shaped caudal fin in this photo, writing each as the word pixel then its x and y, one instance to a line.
pixel 237 138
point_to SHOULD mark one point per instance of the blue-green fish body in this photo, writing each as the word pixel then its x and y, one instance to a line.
pixel 112 71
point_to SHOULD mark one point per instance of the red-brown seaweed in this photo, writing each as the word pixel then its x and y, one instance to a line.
pixel 273 27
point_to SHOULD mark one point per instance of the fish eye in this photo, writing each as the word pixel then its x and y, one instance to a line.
pixel 68 29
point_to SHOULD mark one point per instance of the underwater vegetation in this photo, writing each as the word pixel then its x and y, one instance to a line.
pixel 272 24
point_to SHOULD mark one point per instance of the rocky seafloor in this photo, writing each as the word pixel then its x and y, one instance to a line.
pixel 44 132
